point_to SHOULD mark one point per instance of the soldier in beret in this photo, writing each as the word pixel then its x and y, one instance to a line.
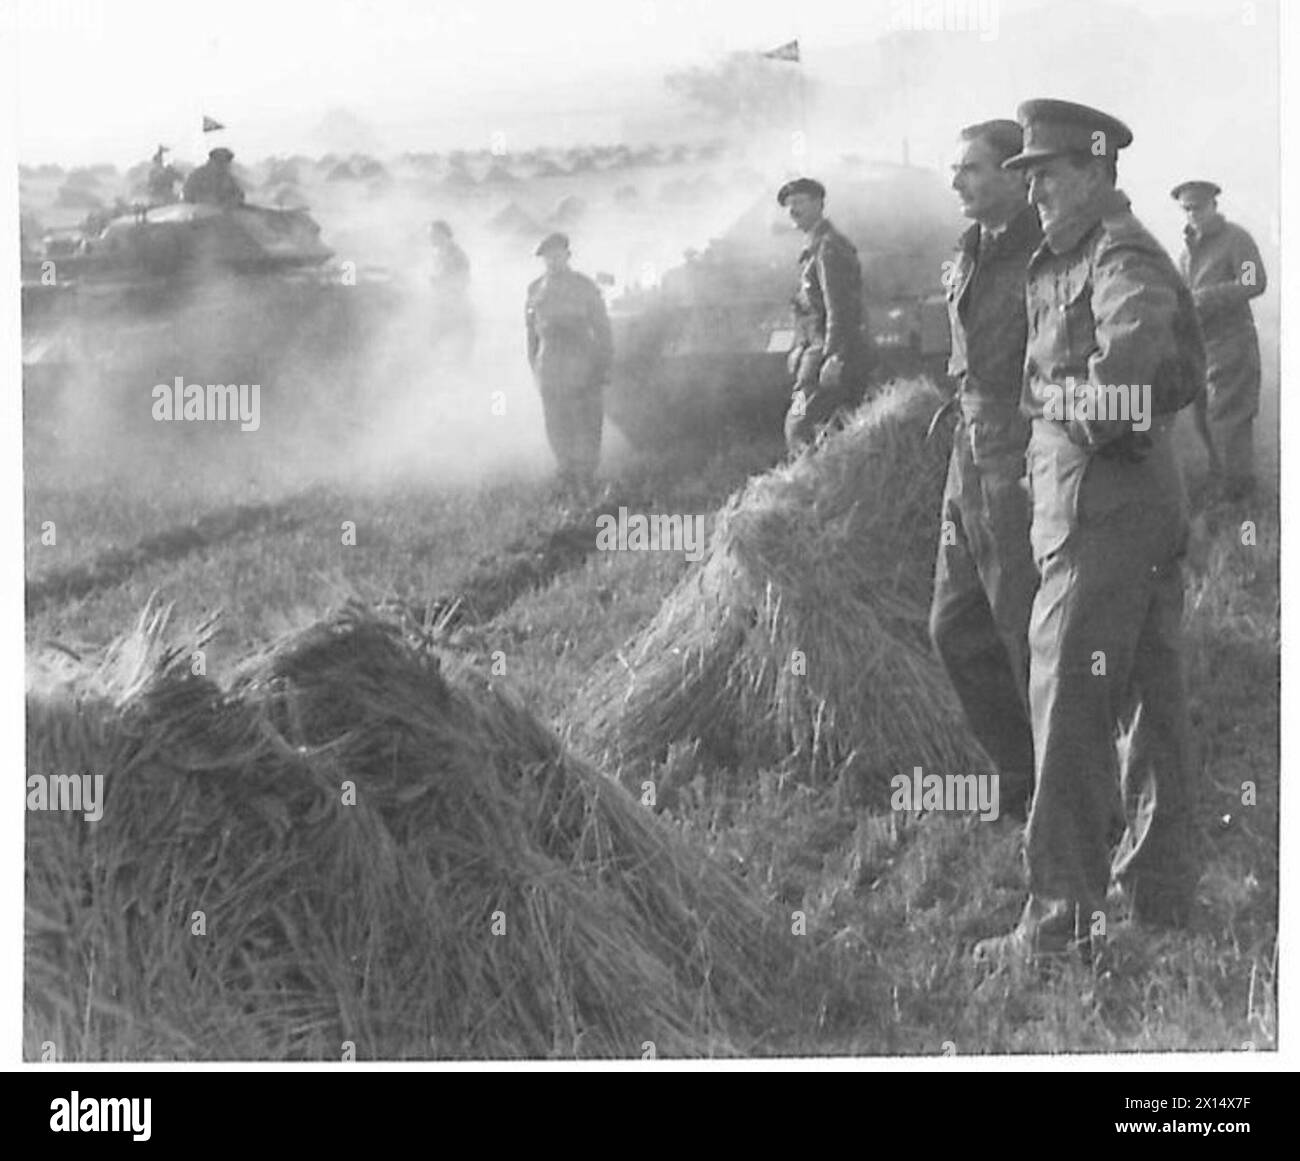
pixel 828 361
pixel 1114 351
pixel 1222 266
pixel 984 578
pixel 570 349
pixel 213 183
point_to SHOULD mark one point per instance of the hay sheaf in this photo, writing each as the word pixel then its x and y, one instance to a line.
pixel 801 640
pixel 487 895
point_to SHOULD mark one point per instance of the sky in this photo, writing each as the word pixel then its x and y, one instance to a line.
pixel 109 79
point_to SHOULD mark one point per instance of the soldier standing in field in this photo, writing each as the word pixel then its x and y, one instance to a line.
pixel 1222 266
pixel 984 576
pixel 829 360
pixel 1106 308
pixel 453 316
pixel 570 349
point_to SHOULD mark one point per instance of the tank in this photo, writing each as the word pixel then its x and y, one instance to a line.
pixel 701 357
pixel 248 294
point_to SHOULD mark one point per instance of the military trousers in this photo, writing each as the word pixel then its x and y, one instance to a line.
pixel 984 584
pixel 1232 390
pixel 813 406
pixel 1105 676
pixel 569 382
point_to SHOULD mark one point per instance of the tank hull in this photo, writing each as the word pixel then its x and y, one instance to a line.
pixel 701 357
pixel 201 296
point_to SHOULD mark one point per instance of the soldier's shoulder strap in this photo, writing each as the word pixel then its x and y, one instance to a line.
pixel 1123 230
pixel 833 239
pixel 1122 233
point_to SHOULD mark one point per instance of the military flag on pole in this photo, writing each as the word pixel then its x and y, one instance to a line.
pixel 787 51
pixel 210 124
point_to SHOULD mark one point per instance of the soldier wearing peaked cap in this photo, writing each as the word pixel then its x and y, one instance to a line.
pixel 1113 352
pixel 829 359
pixel 570 349
pixel 1224 271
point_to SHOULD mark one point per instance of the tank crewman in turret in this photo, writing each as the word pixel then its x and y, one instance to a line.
pixel 828 361
pixel 570 349
pixel 161 183
pixel 1222 267
pixel 213 183
pixel 453 318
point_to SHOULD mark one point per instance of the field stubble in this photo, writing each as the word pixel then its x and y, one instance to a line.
pixel 892 902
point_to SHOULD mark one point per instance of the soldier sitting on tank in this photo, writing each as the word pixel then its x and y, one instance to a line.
pixel 213 183
pixel 161 182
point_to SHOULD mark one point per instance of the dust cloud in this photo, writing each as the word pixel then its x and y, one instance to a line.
pixel 360 392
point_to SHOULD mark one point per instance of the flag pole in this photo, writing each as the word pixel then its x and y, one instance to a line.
pixel 790 51
pixel 803 103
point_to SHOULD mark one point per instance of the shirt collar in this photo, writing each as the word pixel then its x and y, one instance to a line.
pixel 1023 223
pixel 1065 235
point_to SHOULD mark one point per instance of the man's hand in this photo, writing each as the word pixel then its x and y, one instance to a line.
pixel 832 373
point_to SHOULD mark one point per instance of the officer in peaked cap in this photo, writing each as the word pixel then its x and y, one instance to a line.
pixel 1197 187
pixel 1053 128
pixel 1113 352
pixel 1224 271
pixel 570 351
pixel 829 358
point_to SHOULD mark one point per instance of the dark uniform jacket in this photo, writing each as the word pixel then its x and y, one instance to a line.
pixel 828 305
pixel 1222 266
pixel 213 184
pixel 1223 269
pixel 986 310
pixel 1107 308
pixel 570 345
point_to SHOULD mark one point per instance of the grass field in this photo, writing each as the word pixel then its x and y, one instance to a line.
pixel 892 902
